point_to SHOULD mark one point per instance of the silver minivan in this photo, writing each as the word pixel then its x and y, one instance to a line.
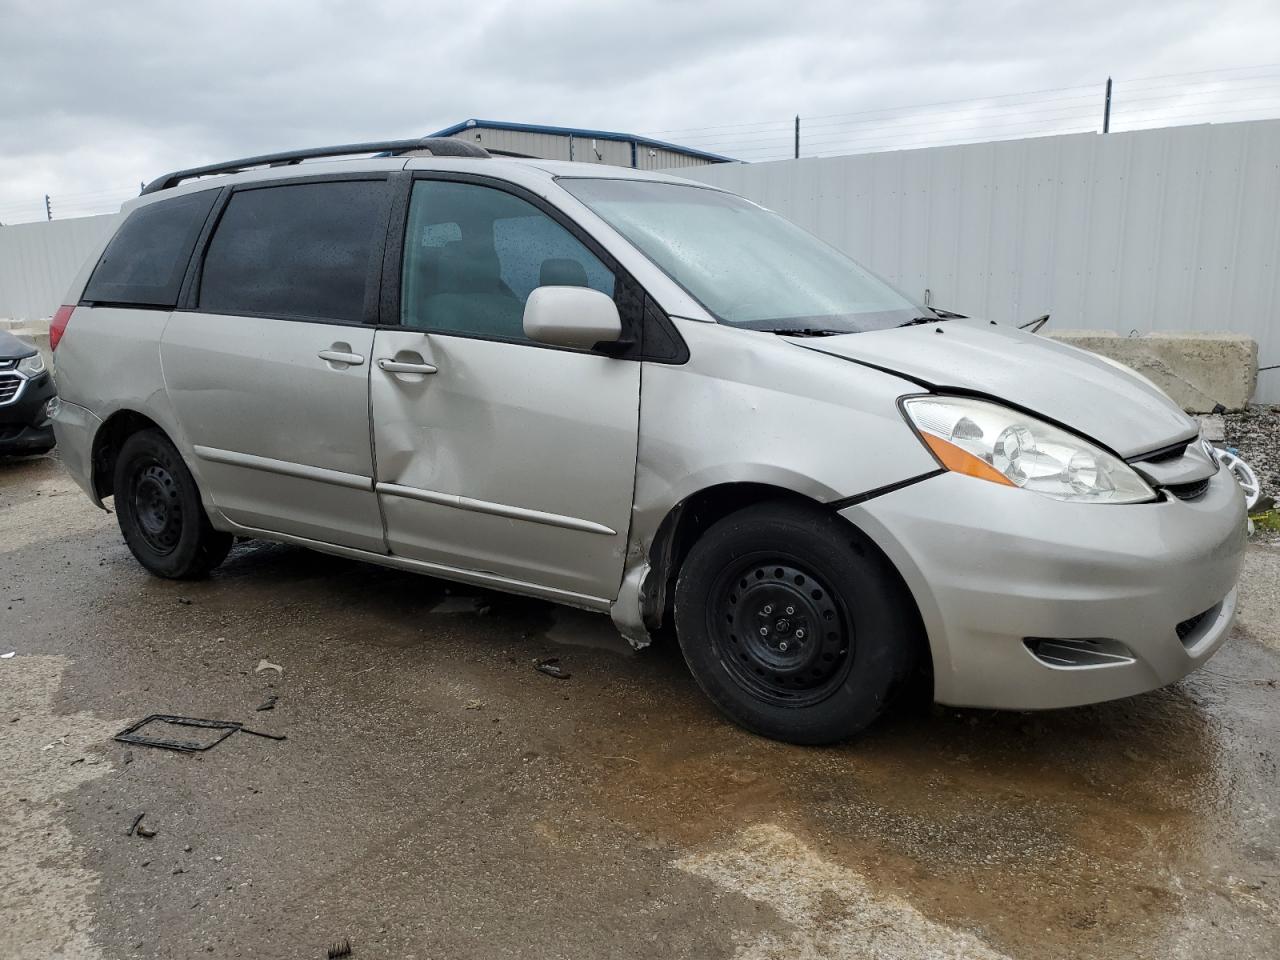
pixel 650 398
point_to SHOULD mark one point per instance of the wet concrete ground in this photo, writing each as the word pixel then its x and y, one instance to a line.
pixel 438 798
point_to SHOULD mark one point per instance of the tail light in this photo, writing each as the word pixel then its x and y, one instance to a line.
pixel 58 325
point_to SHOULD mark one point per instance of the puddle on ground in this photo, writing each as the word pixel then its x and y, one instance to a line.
pixel 1145 827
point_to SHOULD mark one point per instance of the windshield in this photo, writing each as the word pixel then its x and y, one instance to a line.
pixel 749 267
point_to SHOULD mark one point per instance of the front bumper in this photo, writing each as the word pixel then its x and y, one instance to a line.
pixel 24 424
pixel 991 567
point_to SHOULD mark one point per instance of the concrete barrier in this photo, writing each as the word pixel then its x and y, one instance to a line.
pixel 1198 370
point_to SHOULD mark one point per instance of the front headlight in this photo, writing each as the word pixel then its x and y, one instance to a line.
pixel 31 366
pixel 995 443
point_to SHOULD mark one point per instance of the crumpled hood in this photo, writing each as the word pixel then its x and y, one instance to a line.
pixel 1094 397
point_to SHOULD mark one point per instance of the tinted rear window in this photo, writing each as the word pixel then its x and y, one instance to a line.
pixel 303 251
pixel 146 259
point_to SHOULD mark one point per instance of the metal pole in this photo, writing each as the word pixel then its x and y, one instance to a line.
pixel 797 136
pixel 1106 110
pixel 48 208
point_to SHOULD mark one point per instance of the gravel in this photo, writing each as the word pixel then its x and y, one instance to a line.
pixel 1255 433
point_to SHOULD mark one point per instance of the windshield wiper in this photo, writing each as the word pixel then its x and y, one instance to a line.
pixel 916 321
pixel 808 332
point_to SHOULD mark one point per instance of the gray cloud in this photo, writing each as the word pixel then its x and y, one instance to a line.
pixel 97 97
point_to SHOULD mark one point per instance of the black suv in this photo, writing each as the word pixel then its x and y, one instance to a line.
pixel 25 391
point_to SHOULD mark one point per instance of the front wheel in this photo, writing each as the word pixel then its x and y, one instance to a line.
pixel 159 511
pixel 793 623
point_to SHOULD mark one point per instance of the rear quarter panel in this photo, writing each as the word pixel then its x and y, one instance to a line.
pixel 109 361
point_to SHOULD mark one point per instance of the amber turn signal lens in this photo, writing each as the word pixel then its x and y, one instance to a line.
pixel 958 460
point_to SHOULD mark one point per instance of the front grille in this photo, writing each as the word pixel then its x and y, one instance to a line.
pixel 9 387
pixel 8 364
pixel 1189 491
pixel 1189 630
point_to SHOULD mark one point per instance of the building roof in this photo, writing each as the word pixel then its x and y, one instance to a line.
pixel 582 134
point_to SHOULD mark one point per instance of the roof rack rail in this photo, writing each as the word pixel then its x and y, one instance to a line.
pixel 436 146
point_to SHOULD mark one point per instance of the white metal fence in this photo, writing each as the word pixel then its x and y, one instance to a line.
pixel 1170 229
pixel 38 261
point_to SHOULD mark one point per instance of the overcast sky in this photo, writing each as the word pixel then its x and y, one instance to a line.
pixel 95 97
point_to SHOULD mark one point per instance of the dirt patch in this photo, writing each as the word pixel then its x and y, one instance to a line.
pixel 45 904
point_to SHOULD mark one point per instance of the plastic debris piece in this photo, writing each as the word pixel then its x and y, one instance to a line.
pixel 269 704
pixel 268 665
pixel 474 705
pixel 268 736
pixel 8 656
pixel 551 667
pixel 145 831
pixel 134 826
pixel 223 729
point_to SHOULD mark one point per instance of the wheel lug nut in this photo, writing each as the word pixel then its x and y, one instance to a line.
pixel 768 608
pixel 790 610
pixel 800 634
pixel 764 631
pixel 783 646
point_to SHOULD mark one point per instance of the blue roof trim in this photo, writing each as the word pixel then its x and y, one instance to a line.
pixel 582 133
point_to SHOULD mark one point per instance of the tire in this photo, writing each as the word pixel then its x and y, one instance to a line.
pixel 794 624
pixel 159 511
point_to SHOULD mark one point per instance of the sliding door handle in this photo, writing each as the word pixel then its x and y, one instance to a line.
pixel 338 356
pixel 400 366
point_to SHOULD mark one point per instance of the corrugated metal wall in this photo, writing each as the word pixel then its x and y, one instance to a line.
pixel 1170 229
pixel 38 261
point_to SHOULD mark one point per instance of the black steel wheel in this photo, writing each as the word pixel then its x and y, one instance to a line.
pixel 780 630
pixel 794 623
pixel 158 507
pixel 159 511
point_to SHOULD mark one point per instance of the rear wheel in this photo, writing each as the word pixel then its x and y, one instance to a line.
pixel 793 623
pixel 159 511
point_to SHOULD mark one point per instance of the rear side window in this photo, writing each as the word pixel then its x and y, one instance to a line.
pixel 145 261
pixel 304 251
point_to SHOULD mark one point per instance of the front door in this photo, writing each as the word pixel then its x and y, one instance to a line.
pixel 496 454
pixel 268 370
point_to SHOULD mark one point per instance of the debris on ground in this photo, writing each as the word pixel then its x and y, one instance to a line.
pixel 144 831
pixel 184 601
pixel 338 950
pixel 551 667
pixel 1253 434
pixel 134 826
pixel 269 704
pixel 223 728
pixel 8 656
pixel 268 665
pixel 474 705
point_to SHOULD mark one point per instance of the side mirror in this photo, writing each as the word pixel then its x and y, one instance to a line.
pixel 571 317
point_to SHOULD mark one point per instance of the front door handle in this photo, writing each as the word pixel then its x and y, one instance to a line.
pixel 338 356
pixel 401 366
